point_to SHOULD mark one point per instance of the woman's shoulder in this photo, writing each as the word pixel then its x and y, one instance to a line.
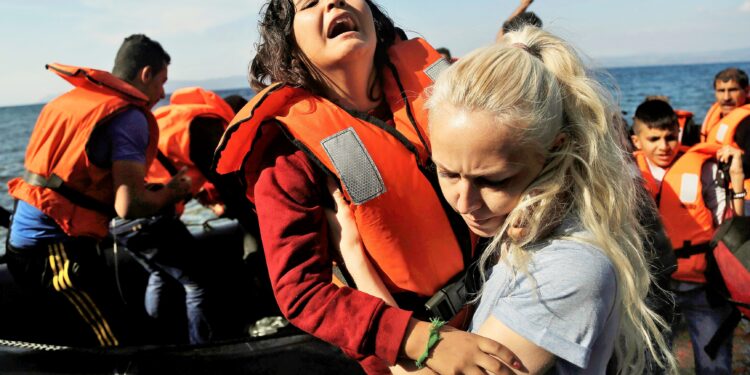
pixel 573 254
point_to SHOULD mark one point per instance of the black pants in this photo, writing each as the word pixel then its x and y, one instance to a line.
pixel 75 301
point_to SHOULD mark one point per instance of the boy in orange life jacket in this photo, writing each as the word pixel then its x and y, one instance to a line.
pixel 691 203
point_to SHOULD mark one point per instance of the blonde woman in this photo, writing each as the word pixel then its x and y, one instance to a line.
pixel 525 150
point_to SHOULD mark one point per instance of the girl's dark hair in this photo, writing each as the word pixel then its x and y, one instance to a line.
pixel 279 59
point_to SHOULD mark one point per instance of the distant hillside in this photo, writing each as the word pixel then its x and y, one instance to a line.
pixel 740 54
pixel 734 55
pixel 232 82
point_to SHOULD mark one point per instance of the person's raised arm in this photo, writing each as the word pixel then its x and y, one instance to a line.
pixel 522 6
pixel 733 156
pixel 133 200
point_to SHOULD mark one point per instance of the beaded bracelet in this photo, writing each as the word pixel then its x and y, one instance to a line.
pixel 435 325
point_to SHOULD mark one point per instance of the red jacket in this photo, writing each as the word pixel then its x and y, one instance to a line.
pixel 291 194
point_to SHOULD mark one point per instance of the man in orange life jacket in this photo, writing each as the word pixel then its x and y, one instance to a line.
pixel 728 120
pixel 190 127
pixel 85 163
pixel 691 202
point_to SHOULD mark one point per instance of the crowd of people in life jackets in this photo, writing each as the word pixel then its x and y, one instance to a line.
pixel 418 230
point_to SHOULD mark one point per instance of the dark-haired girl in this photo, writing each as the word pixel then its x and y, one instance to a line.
pixel 340 97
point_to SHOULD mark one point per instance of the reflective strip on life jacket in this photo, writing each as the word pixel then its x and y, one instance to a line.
pixel 724 130
pixel 712 118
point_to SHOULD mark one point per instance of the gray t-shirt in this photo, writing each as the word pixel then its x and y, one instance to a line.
pixel 565 302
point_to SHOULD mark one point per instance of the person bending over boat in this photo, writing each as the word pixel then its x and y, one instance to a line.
pixel 340 94
pixel 85 164
pixel 190 127
pixel 526 152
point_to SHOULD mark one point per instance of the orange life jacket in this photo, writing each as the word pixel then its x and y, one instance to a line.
pixel 648 179
pixel 713 116
pixel 174 132
pixel 720 129
pixel 683 118
pixel 687 220
pixel 723 129
pixel 57 149
pixel 383 169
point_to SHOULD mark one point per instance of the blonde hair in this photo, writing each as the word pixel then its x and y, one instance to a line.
pixel 534 84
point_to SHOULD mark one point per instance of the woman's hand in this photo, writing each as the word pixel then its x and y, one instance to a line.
pixel 344 233
pixel 459 352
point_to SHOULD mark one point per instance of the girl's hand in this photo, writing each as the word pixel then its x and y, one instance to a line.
pixel 341 221
pixel 345 235
pixel 459 352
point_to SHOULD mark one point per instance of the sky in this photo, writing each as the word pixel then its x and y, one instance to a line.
pixel 215 39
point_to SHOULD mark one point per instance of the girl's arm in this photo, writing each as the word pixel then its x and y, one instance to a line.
pixel 345 234
pixel 536 359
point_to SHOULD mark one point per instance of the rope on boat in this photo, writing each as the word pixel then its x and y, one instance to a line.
pixel 32 346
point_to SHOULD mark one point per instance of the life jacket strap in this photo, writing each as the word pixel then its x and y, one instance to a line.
pixel 168 165
pixel 725 330
pixel 688 249
pixel 56 184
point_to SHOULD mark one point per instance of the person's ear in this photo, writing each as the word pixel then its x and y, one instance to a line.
pixel 636 141
pixel 559 140
pixel 146 74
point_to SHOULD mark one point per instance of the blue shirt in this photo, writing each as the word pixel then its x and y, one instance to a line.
pixel 565 302
pixel 124 138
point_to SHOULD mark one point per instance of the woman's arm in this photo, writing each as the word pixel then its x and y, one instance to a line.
pixel 536 359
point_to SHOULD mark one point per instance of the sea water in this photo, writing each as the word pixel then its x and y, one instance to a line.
pixel 689 87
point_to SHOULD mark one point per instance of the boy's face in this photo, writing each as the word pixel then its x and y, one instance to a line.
pixel 659 146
